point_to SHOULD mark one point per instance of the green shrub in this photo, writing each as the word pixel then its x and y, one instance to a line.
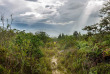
pixel 100 69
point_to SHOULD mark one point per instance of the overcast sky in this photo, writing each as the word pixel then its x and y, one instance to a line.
pixel 51 16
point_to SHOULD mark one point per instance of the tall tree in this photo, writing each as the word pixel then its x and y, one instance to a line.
pixel 75 34
pixel 104 25
pixel 63 35
pixel 2 20
pixel 11 20
pixel 59 36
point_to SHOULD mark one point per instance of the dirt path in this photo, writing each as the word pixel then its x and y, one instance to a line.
pixel 54 65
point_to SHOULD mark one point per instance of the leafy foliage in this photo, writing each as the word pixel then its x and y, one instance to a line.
pixel 27 53
pixel 21 53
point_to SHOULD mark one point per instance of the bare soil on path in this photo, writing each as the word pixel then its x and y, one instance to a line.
pixel 54 65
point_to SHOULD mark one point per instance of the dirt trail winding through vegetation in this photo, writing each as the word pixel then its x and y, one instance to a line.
pixel 54 65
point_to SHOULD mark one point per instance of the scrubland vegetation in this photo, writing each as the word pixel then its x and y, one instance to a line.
pixel 88 53
pixel 27 53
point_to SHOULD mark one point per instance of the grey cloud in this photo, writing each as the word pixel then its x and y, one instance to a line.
pixel 48 12
pixel 49 6
pixel 70 11
pixel 29 16
pixel 75 6
pixel 32 0
pixel 13 8
pixel 94 14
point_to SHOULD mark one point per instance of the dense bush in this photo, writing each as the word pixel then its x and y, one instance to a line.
pixel 86 55
pixel 21 53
